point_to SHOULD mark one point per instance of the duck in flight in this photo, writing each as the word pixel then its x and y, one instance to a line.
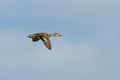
pixel 44 37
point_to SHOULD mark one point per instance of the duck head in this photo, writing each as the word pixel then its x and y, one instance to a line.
pixel 56 34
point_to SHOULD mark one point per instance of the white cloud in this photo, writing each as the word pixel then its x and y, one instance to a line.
pixel 17 49
pixel 30 59
pixel 18 53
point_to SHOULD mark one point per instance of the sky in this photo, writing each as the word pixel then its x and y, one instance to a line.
pixel 88 50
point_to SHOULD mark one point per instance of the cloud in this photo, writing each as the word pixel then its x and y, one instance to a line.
pixel 20 55
pixel 17 47
pixel 63 61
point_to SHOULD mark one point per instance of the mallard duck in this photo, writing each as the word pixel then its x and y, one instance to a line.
pixel 44 37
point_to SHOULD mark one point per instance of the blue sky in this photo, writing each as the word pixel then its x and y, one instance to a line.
pixel 88 50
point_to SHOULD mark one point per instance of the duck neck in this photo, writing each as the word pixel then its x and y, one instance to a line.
pixel 50 35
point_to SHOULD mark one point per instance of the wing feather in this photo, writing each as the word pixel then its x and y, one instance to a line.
pixel 35 39
pixel 46 42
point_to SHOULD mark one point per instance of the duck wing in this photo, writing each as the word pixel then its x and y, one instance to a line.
pixel 46 41
pixel 35 39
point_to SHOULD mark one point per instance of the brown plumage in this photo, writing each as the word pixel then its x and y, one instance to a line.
pixel 44 37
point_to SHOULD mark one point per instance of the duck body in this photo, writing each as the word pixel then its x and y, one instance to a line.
pixel 44 37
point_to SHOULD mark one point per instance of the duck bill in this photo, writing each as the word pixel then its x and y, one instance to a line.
pixel 60 35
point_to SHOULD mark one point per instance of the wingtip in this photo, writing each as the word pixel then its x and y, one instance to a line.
pixel 49 48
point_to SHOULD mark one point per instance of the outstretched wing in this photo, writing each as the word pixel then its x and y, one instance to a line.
pixel 35 39
pixel 46 42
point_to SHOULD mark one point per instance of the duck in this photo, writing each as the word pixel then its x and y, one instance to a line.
pixel 44 37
